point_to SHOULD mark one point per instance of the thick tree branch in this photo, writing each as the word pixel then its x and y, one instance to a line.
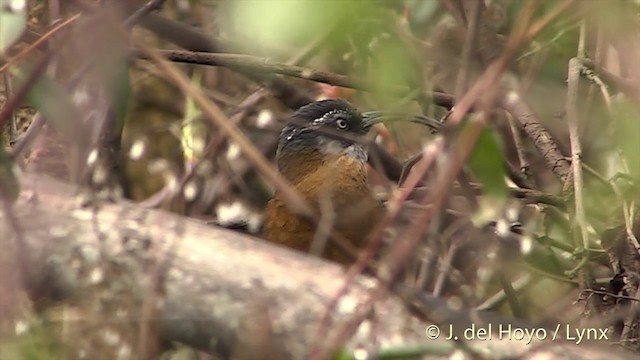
pixel 254 65
pixel 215 275
pixel 539 135
pixel 215 280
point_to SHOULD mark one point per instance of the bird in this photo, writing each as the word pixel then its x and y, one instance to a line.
pixel 320 156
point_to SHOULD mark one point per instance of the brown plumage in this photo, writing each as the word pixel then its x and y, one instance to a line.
pixel 330 173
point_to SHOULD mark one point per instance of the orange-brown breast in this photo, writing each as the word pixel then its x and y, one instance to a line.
pixel 334 186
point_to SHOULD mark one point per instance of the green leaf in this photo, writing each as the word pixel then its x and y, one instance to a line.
pixel 342 355
pixel 487 164
pixel 118 86
pixel 52 100
pixel 415 351
pixel 194 131
pixel 13 20
pixel 8 183
pixel 281 24
pixel 626 134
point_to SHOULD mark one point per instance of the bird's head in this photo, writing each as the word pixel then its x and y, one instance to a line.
pixel 326 127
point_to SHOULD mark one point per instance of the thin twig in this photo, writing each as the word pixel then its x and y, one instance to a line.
pixel 525 167
pixel 549 17
pixel 39 42
pixel 24 141
pixel 444 270
pixel 595 79
pixel 258 64
pixel 511 296
pixel 255 64
pixel 606 293
pixel 151 5
pixel 598 56
pixel 573 120
pixel 539 135
pixel 8 92
pixel 495 300
pixel 469 49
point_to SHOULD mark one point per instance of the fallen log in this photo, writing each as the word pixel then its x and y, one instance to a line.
pixel 213 289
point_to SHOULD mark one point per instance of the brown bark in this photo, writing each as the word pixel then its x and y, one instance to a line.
pixel 216 290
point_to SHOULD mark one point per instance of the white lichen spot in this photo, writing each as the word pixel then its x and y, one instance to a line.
pixel 110 337
pixel 512 213
pixel 157 166
pixel 306 73
pixel 99 175
pixel 96 276
pixel 171 182
pixel 540 355
pixel 17 5
pixel 117 192
pixel 80 97
pixel 231 213
pixel 137 149
pixel 90 254
pixel 93 157
pixel 124 352
pixel 361 354
pixel 198 144
pixel 484 273
pixel 190 191
pixel 233 151
pixel 432 147
pixel 458 355
pixel 512 97
pixel 526 244
pixel 58 231
pixel 253 222
pixel 364 329
pixel 454 303
pixel 265 118
pixel 502 228
pixel 21 327
pixel 346 305
pixel 368 283
pixel 82 214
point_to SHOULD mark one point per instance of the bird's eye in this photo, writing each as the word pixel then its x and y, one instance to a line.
pixel 342 124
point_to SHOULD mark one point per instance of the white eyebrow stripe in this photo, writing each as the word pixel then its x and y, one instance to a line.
pixel 323 119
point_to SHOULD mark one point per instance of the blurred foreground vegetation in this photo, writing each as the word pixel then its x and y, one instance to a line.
pixel 540 219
